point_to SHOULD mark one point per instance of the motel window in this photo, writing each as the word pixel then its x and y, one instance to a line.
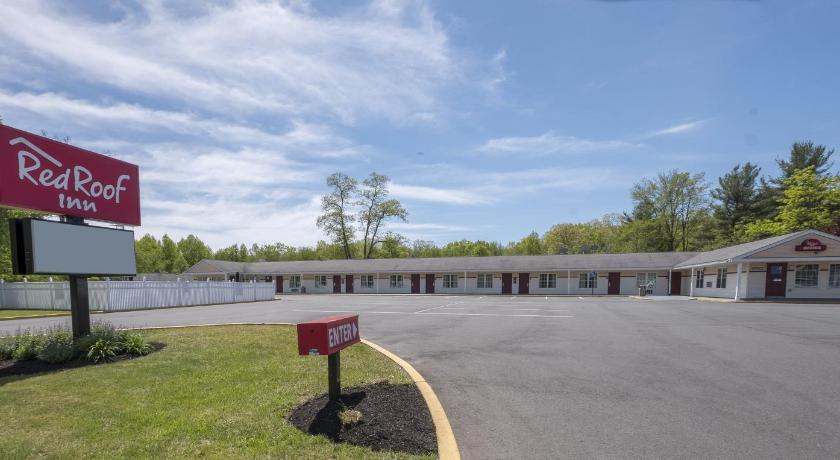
pixel 806 275
pixel 548 281
pixel 588 281
pixel 320 281
pixel 294 281
pixel 698 281
pixel 834 276
pixel 367 281
pixel 721 279
pixel 396 281
pixel 484 281
pixel 450 281
pixel 647 279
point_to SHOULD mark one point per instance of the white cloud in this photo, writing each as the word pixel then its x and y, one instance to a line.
pixel 549 143
pixel 388 59
pixel 222 221
pixel 318 139
pixel 677 129
pixel 439 195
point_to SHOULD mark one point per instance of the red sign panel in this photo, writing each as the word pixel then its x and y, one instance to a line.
pixel 328 335
pixel 41 174
pixel 811 244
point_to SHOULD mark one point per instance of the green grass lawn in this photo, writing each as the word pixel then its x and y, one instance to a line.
pixel 9 314
pixel 218 392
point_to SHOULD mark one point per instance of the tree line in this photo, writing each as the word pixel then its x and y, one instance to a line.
pixel 674 211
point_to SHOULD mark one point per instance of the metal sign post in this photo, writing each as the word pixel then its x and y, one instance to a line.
pixel 334 375
pixel 79 300
pixel 328 336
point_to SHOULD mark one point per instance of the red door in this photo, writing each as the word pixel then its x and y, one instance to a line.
pixel 336 284
pixel 507 283
pixel 415 283
pixel 776 280
pixel 676 283
pixel 348 281
pixel 279 283
pixel 524 281
pixel 614 283
pixel 430 284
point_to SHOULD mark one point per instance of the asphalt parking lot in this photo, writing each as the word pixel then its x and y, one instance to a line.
pixel 594 377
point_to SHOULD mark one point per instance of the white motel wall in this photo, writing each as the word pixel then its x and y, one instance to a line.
pixel 802 265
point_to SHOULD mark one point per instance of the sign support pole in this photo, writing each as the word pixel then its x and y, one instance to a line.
pixel 334 375
pixel 79 300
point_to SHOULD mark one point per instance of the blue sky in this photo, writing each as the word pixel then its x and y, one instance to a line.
pixel 492 118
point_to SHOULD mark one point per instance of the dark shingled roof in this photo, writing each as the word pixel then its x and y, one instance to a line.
pixel 641 261
pixel 730 253
pixel 576 262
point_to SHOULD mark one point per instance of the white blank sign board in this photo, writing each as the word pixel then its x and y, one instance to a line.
pixel 67 249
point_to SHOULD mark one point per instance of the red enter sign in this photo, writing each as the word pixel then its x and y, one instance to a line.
pixel 328 335
pixel 45 175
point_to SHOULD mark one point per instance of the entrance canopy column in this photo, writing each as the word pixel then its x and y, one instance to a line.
pixel 738 281
pixel 691 286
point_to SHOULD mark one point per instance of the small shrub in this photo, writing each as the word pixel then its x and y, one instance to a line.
pixel 102 330
pixel 102 350
pixel 58 346
pixel 349 417
pixel 7 349
pixel 82 345
pixel 27 345
pixel 134 344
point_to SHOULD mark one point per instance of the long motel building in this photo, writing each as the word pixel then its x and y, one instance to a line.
pixel 802 265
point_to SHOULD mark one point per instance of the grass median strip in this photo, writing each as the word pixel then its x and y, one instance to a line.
pixel 15 314
pixel 219 392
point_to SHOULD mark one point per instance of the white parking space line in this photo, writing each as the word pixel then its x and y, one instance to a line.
pixel 435 313
pixel 433 308
pixel 506 309
pixel 496 314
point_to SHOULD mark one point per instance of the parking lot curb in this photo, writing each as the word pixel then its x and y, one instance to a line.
pixel 447 446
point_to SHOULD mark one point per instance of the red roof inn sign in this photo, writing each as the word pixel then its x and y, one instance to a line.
pixel 811 245
pixel 46 175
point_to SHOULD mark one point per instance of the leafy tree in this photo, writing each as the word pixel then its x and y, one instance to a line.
pixel 375 210
pixel 328 251
pixel 673 202
pixel 337 220
pixel 805 155
pixel 802 155
pixel 149 255
pixel 809 201
pixel 231 253
pixel 736 198
pixel 530 245
pixel 173 260
pixel 421 248
pixel 393 246
pixel 194 250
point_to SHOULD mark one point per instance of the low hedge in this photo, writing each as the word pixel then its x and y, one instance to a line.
pixel 56 344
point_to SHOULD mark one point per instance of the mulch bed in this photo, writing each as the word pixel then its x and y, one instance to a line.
pixel 394 417
pixel 34 366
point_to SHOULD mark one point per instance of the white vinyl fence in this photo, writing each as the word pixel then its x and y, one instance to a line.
pixel 133 295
